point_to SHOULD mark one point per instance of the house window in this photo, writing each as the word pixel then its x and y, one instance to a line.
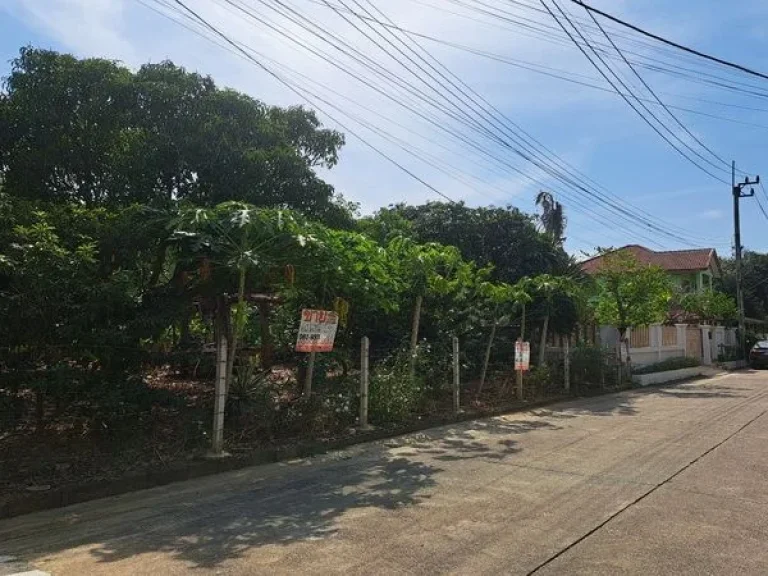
pixel 686 285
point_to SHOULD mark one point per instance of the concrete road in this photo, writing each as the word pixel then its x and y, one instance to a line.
pixel 671 480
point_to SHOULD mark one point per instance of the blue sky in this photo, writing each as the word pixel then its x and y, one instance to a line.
pixel 594 131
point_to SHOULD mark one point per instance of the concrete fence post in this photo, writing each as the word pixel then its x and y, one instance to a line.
pixel 706 346
pixel 364 376
pixel 217 441
pixel 456 375
pixel 656 337
pixel 681 337
pixel 567 363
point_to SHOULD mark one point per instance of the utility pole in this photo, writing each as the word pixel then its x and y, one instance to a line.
pixel 738 194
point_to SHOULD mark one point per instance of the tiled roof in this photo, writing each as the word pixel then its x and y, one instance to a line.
pixel 672 261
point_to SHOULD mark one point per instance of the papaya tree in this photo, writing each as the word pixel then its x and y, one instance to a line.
pixel 226 253
pixel 427 269
pixel 548 287
pixel 501 300
pixel 351 273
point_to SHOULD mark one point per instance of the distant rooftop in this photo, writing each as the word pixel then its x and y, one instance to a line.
pixel 672 261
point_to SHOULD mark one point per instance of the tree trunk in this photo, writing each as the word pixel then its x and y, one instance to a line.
pixel 486 359
pixel 415 333
pixel 267 348
pixel 543 341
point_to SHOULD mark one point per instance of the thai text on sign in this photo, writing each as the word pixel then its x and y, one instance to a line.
pixel 317 331
pixel 522 355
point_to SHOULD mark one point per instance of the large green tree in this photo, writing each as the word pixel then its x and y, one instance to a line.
pixel 504 238
pixel 629 293
pixel 755 282
pixel 94 132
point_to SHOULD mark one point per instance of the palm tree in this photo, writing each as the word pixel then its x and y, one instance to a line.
pixel 553 221
pixel 552 216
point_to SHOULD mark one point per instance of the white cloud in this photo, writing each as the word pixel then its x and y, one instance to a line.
pixel 84 26
pixel 710 214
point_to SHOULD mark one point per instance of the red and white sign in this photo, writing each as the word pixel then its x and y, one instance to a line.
pixel 522 355
pixel 317 331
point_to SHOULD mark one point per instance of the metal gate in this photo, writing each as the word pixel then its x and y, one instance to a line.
pixel 693 342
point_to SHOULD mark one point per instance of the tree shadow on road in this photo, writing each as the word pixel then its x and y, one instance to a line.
pixel 471 441
pixel 206 525
pixel 699 391
pixel 621 404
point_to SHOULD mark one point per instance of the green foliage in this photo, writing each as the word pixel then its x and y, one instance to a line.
pixel 710 306
pixel 588 366
pixel 92 131
pixel 677 363
pixel 503 238
pixel 394 394
pixel 755 271
pixel 628 293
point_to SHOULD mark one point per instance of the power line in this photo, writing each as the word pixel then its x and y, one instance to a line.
pixel 649 225
pixel 560 73
pixel 670 42
pixel 760 205
pixel 240 54
pixel 494 157
pixel 369 17
pixel 544 32
pixel 398 141
pixel 303 96
pixel 484 107
pixel 647 86
pixel 626 99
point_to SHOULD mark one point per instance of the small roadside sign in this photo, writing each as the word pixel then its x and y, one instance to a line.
pixel 522 355
pixel 317 331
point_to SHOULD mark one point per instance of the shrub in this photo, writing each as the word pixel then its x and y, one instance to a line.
pixel 539 380
pixel 676 363
pixel 250 397
pixel 394 394
pixel 589 366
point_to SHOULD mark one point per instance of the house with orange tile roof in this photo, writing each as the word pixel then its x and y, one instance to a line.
pixel 690 270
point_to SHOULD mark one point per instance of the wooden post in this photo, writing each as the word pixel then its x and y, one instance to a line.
pixel 310 372
pixel 364 348
pixel 456 374
pixel 567 362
